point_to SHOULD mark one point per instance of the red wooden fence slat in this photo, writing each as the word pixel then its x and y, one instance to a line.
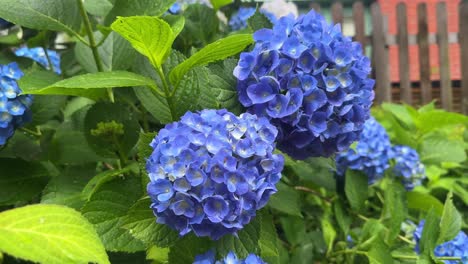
pixel 424 64
pixel 337 13
pixel 442 38
pixel 463 38
pixel 359 23
pixel 403 54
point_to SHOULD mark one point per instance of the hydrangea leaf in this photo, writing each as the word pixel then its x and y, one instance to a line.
pixel 217 4
pixel 329 232
pixel 90 85
pixel 269 241
pixel 433 120
pixel 286 200
pixel 217 50
pixel 50 234
pixel 141 224
pixel 259 21
pixel 379 253
pixel 128 8
pixel 20 180
pixel 150 36
pixel 371 232
pixel 116 53
pixel 107 209
pixel 394 209
pixel 201 27
pixel 98 7
pixel 356 188
pixel 436 148
pixel 342 217
pixel 43 15
pixel 186 249
pixel 430 234
pixel 424 202
pixel 451 221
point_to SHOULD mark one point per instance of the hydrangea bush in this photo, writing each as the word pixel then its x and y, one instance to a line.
pixel 160 132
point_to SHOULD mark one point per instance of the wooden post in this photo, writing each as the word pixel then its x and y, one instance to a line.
pixel 380 57
pixel 403 54
pixel 424 64
pixel 444 60
pixel 359 23
pixel 315 6
pixel 463 39
pixel 337 13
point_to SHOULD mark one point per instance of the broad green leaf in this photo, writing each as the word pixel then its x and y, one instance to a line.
pixel 110 143
pixel 20 180
pixel 259 21
pixel 46 108
pixel 217 4
pixel 269 240
pixel 379 253
pixel 52 15
pixel 451 221
pixel 50 234
pixel 91 85
pixel 126 8
pixel 158 255
pixel 201 28
pixel 144 151
pixel 356 188
pixel 294 229
pixel 150 36
pixel 97 181
pixel 177 23
pixel 65 189
pixel 341 216
pixel 318 171
pixel 394 212
pixel 436 148
pixel 98 7
pixel 115 52
pixel 371 232
pixel 141 223
pixel 430 234
pixel 424 202
pixel 35 79
pixel 107 209
pixel 24 146
pixel 329 232
pixel 436 119
pixel 218 50
pixel 187 248
pixel 286 200
pixel 401 113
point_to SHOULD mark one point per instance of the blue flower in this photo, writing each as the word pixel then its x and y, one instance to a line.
pixel 38 55
pixel 14 108
pixel 324 92
pixel 457 247
pixel 408 166
pixel 211 171
pixel 180 5
pixel 231 258
pixel 239 20
pixel 371 155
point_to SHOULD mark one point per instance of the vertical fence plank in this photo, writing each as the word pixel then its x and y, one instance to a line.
pixel 315 6
pixel 337 13
pixel 442 40
pixel 424 64
pixel 463 39
pixel 359 23
pixel 380 56
pixel 403 54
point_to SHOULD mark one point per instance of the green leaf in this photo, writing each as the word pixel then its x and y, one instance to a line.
pixel 430 234
pixel 286 200
pixel 424 202
pixel 371 232
pixel 46 107
pixel 436 148
pixel 109 143
pixel 91 85
pixel 187 248
pixel 107 209
pixel 394 212
pixel 35 79
pixel 437 119
pixel 401 113
pixel 141 223
pixel 341 216
pixel 217 4
pixel 97 181
pixel 318 171
pixel 150 36
pixel 98 7
pixel 218 50
pixel 245 243
pixel 50 234
pixel 259 21
pixel 43 15
pixel 115 52
pixel 144 151
pixel 294 229
pixel 20 180
pixel 356 188
pixel 329 232
pixel 451 221
pixel 379 253
pixel 269 240
pixel 201 27
pixel 65 189
pixel 126 8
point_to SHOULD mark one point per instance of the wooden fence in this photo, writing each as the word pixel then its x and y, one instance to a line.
pixel 450 94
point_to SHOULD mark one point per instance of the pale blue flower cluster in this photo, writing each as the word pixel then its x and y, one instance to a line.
pixel 310 81
pixel 408 166
pixel 211 171
pixel 14 108
pixel 457 247
pixel 231 258
pixel 38 55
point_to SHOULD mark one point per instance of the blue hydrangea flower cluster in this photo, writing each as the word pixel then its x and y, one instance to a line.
pixel 371 155
pixel 38 55
pixel 211 171
pixel 231 258
pixel 457 247
pixel 408 166
pixel 180 5
pixel 311 81
pixel 14 108
pixel 239 20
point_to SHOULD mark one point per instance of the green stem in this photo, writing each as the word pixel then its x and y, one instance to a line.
pixel 29 131
pixel 316 193
pixel 49 61
pixel 92 44
pixel 164 82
